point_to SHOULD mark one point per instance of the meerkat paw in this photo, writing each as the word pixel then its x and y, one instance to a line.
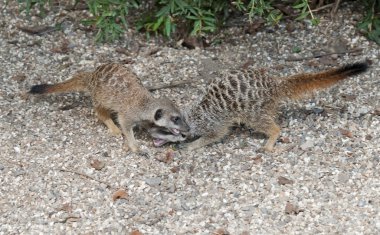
pixel 182 147
pixel 189 148
pixel 113 129
pixel 144 154
pixel 115 132
pixel 266 149
pixel 126 147
pixel 132 148
pixel 261 150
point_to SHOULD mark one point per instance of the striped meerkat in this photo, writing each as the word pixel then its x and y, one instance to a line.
pixel 248 96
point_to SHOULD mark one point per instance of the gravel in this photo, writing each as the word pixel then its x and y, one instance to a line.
pixel 330 148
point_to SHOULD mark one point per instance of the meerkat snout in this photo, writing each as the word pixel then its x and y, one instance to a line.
pixel 177 120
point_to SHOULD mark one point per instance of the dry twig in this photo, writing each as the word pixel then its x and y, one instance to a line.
pixel 322 55
pixel 37 30
pixel 335 8
pixel 86 176
pixel 322 7
pixel 68 219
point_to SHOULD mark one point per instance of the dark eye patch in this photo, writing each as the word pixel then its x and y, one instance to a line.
pixel 158 114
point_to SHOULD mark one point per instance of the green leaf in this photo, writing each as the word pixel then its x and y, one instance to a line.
pixel 301 5
pixel 302 16
pixel 209 28
pixel 209 19
pixel 168 26
pixel 181 4
pixel 315 21
pixel 109 14
pixel 296 49
pixel 172 6
pixel 158 23
pixel 196 28
pixel 193 11
pixel 190 17
pixel 124 21
pixel 164 11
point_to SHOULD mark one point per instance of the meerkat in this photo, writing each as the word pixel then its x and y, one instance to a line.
pixel 252 98
pixel 115 89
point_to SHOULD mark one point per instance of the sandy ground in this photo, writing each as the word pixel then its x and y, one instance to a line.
pixel 60 168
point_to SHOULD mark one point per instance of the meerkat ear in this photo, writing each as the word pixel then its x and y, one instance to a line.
pixel 158 114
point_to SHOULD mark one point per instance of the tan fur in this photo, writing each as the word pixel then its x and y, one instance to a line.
pixel 248 96
pixel 114 88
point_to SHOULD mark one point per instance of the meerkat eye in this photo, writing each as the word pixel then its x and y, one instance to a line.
pixel 176 119
pixel 158 114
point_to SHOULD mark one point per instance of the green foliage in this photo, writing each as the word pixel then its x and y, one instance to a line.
pixel 194 17
pixel 263 8
pixel 370 24
pixel 109 17
pixel 296 49
pixel 202 15
pixel 305 11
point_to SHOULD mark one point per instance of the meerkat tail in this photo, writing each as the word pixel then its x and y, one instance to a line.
pixel 77 83
pixel 297 86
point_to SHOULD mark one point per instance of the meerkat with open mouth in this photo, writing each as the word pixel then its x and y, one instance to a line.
pixel 115 89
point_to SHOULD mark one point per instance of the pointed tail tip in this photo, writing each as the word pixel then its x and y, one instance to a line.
pixel 39 89
pixel 356 68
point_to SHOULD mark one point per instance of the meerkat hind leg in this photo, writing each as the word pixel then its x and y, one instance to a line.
pixel 127 129
pixel 270 129
pixel 104 115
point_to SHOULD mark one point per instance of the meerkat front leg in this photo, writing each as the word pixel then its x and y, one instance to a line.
pixel 127 129
pixel 210 138
pixel 104 115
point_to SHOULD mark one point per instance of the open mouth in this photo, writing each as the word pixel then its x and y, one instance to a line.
pixel 159 142
pixel 162 136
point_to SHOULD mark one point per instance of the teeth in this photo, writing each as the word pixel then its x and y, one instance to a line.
pixel 175 131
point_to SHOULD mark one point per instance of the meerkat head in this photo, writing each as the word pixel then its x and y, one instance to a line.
pixel 167 115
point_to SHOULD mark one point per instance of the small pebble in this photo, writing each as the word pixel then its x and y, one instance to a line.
pixel 343 178
pixel 306 145
pixel 155 181
pixel 19 172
